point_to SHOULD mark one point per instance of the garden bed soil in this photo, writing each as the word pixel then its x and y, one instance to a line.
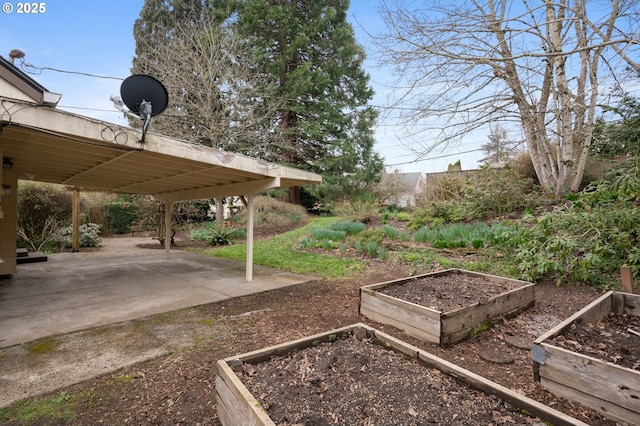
pixel 446 307
pixel 449 292
pixel 309 386
pixel 615 339
pixel 179 389
pixel 591 357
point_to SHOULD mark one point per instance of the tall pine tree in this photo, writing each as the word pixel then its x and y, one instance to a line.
pixel 309 54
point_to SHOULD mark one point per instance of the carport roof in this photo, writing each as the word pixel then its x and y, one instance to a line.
pixel 49 145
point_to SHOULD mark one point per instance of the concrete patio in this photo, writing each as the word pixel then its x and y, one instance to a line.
pixel 63 299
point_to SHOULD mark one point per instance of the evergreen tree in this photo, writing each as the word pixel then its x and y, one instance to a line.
pixel 308 53
pixel 621 136
pixel 499 150
pixel 279 80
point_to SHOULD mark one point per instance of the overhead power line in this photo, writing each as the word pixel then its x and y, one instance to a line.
pixel 432 158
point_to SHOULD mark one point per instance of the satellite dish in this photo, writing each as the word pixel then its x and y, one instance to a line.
pixel 145 96
pixel 138 89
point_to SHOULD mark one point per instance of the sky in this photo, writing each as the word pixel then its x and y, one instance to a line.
pixel 83 49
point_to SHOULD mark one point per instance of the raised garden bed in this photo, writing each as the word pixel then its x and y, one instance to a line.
pixel 361 376
pixel 584 358
pixel 445 307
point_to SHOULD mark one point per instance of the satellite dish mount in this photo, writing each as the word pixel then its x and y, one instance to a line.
pixel 144 96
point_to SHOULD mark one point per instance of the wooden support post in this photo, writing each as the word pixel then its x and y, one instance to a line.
pixel 249 255
pixel 627 279
pixel 75 219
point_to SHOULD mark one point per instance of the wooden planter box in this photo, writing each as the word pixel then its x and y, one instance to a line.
pixel 444 328
pixel 236 405
pixel 610 389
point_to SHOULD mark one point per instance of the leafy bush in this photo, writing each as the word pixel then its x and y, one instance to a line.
pixel 589 237
pixel 274 213
pixel 444 188
pixel 89 236
pixel 122 216
pixel 357 210
pixel 436 214
pixel 492 193
pixel 42 209
pixel 218 235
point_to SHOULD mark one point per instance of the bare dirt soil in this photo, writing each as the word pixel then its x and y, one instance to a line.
pixel 179 389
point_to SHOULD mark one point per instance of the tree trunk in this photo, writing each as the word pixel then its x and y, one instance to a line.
pixel 219 210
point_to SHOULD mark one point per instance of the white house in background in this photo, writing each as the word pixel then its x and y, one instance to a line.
pixel 403 187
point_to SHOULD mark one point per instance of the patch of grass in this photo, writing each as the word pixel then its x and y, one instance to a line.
pixel 208 321
pixel 125 378
pixel 42 346
pixel 280 252
pixel 479 329
pixel 44 410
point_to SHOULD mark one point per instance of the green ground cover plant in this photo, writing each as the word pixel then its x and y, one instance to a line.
pixel 60 408
pixel 281 252
pixel 587 238
pixel 217 234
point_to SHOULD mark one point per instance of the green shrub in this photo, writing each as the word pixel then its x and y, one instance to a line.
pixel 494 192
pixel 477 243
pixel 448 212
pixel 274 213
pixel 42 208
pixel 307 243
pixel 328 244
pixel 357 210
pixel 89 236
pixel 122 216
pixel 422 235
pixel 589 238
pixel 457 235
pixel 219 235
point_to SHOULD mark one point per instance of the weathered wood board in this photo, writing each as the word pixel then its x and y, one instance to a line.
pixel 236 406
pixel 610 389
pixel 444 328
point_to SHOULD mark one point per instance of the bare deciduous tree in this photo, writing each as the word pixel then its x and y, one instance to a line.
pixel 542 63
pixel 216 98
